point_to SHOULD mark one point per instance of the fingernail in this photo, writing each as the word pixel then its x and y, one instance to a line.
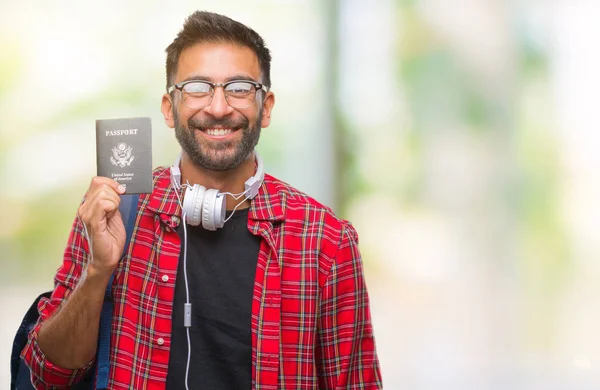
pixel 121 189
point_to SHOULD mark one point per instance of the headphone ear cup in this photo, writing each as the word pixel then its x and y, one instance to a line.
pixel 213 210
pixel 192 204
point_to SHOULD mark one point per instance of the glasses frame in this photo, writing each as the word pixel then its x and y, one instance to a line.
pixel 179 86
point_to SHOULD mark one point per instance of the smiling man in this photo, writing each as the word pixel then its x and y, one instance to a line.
pixel 232 279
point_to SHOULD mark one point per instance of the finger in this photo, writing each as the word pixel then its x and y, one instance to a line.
pixel 97 193
pixel 92 199
pixel 99 205
pixel 100 188
pixel 99 181
pixel 103 192
pixel 99 215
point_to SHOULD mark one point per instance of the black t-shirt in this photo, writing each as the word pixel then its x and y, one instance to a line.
pixel 221 266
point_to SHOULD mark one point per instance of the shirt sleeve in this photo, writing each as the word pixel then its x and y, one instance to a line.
pixel 346 354
pixel 44 373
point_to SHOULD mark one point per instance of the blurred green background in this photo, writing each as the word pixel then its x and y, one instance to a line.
pixel 458 137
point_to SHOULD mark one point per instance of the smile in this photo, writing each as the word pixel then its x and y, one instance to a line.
pixel 218 132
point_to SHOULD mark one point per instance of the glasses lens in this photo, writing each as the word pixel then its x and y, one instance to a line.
pixel 240 94
pixel 197 94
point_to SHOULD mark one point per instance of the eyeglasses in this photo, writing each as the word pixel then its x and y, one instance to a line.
pixel 199 94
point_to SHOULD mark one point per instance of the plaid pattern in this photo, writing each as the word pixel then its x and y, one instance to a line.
pixel 311 325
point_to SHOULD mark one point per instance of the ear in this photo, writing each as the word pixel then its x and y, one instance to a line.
pixel 268 104
pixel 166 107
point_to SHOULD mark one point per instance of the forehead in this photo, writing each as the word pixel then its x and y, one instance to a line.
pixel 217 62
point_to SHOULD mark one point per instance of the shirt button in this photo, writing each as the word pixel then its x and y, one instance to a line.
pixel 175 219
pixel 165 278
pixel 160 341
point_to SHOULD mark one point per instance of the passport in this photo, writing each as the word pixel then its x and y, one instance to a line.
pixel 124 152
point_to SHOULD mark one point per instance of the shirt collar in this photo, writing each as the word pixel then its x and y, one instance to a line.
pixel 269 203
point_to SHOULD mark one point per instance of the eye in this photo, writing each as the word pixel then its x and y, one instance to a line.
pixel 239 88
pixel 197 88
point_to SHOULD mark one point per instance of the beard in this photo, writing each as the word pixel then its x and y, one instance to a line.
pixel 216 155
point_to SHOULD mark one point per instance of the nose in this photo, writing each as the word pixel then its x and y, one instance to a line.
pixel 218 107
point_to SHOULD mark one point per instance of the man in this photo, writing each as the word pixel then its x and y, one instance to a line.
pixel 277 297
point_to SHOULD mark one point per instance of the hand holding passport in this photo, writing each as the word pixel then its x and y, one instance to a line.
pixel 124 152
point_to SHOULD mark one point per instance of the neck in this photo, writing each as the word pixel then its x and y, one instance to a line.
pixel 225 181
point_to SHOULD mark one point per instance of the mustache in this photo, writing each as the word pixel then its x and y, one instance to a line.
pixel 209 123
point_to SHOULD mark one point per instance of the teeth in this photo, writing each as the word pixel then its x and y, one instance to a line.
pixel 218 131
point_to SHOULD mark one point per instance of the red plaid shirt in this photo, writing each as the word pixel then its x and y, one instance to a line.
pixel 311 325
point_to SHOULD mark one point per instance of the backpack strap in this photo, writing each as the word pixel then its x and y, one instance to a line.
pixel 128 209
pixel 19 372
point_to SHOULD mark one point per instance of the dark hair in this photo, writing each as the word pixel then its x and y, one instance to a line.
pixel 202 26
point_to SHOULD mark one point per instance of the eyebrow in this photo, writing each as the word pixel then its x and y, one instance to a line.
pixel 228 79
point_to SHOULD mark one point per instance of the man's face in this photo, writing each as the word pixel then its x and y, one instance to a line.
pixel 218 137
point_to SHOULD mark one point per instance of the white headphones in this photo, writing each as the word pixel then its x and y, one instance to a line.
pixel 207 206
